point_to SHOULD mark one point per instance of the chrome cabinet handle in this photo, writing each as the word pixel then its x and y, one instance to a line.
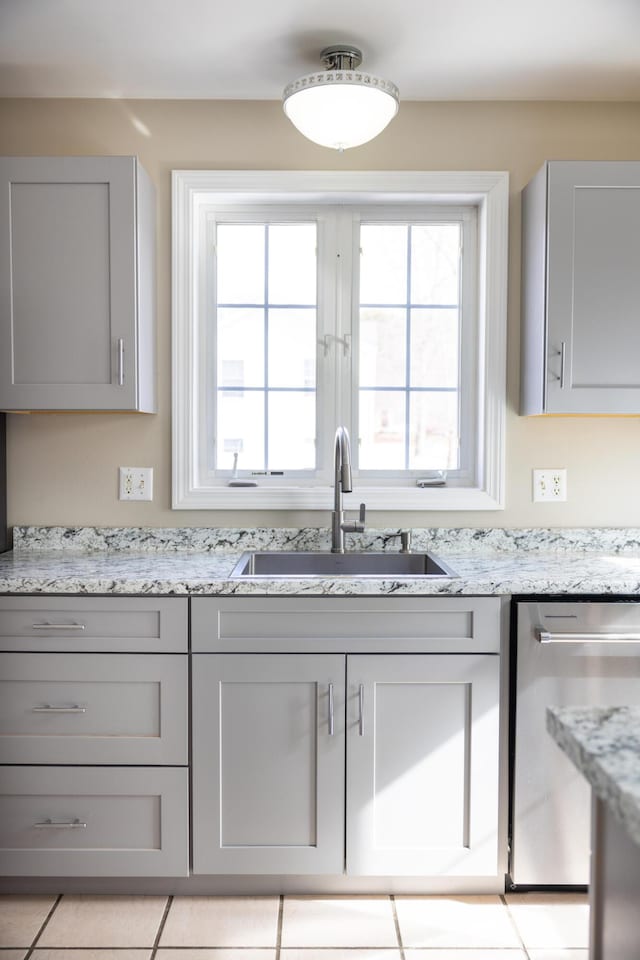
pixel 563 363
pixel 120 362
pixel 331 717
pixel 50 708
pixel 545 637
pixel 361 710
pixel 57 626
pixel 61 824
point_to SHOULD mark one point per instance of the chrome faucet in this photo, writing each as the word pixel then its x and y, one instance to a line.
pixel 342 484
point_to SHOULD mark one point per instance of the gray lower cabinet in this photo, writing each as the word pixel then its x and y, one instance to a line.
pixel 93 708
pixel 581 289
pixel 94 737
pixel 422 765
pixel 93 624
pixel 77 284
pixel 94 821
pixel 417 733
pixel 268 764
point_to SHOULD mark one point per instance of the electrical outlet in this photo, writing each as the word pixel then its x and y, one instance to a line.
pixel 549 485
pixel 136 483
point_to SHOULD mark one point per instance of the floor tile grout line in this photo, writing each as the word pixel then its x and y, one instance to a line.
pixel 156 942
pixel 515 926
pixel 279 927
pixel 35 940
pixel 397 925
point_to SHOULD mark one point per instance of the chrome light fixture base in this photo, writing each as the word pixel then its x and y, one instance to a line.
pixel 340 107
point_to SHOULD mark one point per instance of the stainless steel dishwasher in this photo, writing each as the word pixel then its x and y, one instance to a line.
pixel 576 652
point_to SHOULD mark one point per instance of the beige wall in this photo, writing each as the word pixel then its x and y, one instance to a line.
pixel 63 468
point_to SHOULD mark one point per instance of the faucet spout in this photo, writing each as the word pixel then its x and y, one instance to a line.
pixel 342 483
pixel 341 466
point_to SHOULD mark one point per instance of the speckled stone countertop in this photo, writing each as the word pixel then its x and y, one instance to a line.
pixel 604 744
pixel 488 561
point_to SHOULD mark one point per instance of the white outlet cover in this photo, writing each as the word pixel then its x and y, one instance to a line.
pixel 550 486
pixel 136 483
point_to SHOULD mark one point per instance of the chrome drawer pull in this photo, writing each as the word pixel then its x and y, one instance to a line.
pixel 545 637
pixel 50 708
pixel 61 824
pixel 361 709
pixel 330 709
pixel 57 626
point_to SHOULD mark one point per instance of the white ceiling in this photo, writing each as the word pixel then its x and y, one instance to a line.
pixel 249 49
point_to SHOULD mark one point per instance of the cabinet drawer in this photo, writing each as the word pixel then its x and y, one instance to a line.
pixel 353 624
pixel 126 625
pixel 93 708
pixel 92 822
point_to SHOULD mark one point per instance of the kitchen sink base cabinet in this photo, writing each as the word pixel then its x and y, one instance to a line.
pixel 418 735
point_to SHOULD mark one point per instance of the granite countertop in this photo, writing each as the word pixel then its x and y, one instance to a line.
pixel 182 561
pixel 604 744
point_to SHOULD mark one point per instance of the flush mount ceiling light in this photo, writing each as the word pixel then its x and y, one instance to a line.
pixel 340 107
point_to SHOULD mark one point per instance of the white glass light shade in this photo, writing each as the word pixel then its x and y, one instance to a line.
pixel 340 109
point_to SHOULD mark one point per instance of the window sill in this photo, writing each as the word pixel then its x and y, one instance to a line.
pixel 321 498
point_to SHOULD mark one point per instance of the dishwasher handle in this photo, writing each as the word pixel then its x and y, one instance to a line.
pixel 545 637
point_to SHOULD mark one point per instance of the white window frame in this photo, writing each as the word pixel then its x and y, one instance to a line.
pixel 197 191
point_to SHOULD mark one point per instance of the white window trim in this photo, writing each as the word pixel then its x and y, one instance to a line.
pixel 191 189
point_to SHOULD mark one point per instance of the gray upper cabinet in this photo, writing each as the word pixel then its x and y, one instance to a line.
pixel 581 289
pixel 77 284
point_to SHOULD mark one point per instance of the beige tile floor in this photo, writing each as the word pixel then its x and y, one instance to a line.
pixel 515 927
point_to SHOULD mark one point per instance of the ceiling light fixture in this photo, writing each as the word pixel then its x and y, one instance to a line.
pixel 340 107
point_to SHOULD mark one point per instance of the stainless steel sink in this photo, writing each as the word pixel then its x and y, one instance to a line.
pixel 277 564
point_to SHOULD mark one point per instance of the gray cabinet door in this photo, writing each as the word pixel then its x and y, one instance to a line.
pixel 345 624
pixel 94 624
pixel 268 764
pixel 94 822
pixel 97 708
pixel 76 284
pixel 581 289
pixel 422 765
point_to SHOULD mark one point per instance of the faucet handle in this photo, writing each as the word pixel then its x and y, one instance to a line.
pixel 363 511
pixel 405 540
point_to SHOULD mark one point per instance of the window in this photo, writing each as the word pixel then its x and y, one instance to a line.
pixel 307 300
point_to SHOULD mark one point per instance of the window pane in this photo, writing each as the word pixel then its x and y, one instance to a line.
pixel 383 263
pixel 434 348
pixel 435 263
pixel 240 427
pixel 240 347
pixel 240 263
pixel 382 347
pixel 434 431
pixel 292 348
pixel 292 263
pixel 382 430
pixel 292 430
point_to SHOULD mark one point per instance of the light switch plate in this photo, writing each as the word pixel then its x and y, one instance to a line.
pixel 549 485
pixel 136 483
